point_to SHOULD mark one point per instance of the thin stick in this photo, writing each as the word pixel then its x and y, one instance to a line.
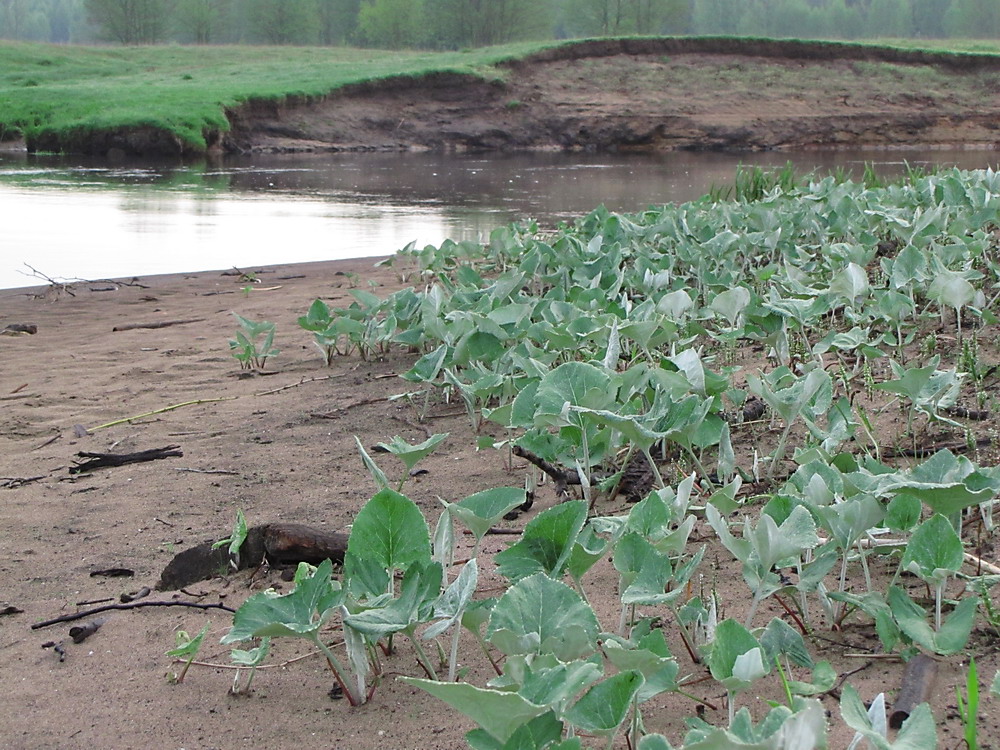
pixel 157 324
pixel 198 401
pixel 206 471
pixel 296 385
pixel 130 605
pixel 164 409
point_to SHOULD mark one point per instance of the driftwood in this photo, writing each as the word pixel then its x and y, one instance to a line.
pixel 158 324
pixel 929 450
pixel 918 684
pixel 560 476
pixel 102 460
pixel 636 481
pixel 278 543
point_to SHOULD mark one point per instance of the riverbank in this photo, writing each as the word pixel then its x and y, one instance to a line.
pixel 601 95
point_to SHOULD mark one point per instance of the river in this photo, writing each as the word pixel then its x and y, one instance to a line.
pixel 72 218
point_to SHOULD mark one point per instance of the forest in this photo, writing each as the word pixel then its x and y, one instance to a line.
pixel 459 24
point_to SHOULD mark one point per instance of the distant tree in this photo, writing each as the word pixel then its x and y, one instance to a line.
pixel 890 18
pixel 338 20
pixel 928 17
pixel 477 23
pixel 200 21
pixel 130 21
pixel 392 24
pixel 973 19
pixel 793 18
pixel 718 16
pixel 24 19
pixel 617 17
pixel 844 21
pixel 281 21
pixel 61 21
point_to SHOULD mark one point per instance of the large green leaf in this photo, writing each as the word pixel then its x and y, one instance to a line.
pixel 573 383
pixel 603 708
pixel 934 552
pixel 546 543
pixel 732 659
pixel 538 615
pixel 499 713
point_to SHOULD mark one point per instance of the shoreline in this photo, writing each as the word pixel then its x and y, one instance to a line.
pixel 284 271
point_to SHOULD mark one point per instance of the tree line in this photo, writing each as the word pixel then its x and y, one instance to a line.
pixel 455 24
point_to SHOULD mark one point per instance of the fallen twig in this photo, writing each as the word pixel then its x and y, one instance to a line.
pixel 925 451
pixel 340 409
pixel 495 530
pixel 296 385
pixel 62 286
pixel 129 605
pixel 206 471
pixel 50 441
pixel 9 483
pixel 195 402
pixel 106 460
pixel 158 324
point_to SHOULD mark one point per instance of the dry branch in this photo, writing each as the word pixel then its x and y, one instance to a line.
pixel 103 460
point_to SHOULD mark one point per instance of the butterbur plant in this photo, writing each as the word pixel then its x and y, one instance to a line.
pixel 187 647
pixel 254 343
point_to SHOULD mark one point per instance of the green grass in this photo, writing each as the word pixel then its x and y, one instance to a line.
pixel 186 90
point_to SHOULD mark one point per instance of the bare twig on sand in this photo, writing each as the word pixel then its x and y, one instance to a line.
pixel 129 605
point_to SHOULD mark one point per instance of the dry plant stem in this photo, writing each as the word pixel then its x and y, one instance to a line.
pixel 792 614
pixel 195 402
pixel 198 401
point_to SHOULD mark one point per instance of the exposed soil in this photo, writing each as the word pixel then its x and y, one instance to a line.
pixel 654 95
pixel 285 444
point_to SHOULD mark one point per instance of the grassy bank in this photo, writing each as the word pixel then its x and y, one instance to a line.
pixel 57 96
pixel 185 90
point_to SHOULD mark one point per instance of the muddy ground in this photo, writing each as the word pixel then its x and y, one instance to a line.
pixel 653 96
pixel 281 448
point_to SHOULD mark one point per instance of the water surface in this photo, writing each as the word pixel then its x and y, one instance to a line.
pixel 70 218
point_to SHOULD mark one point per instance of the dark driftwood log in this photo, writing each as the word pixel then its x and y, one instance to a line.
pixel 102 460
pixel 278 543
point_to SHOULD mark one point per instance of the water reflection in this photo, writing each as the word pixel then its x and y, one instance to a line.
pixel 70 217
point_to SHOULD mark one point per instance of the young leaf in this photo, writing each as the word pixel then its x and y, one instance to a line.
pixel 912 620
pixel 300 613
pixel 481 510
pixel 389 530
pixel 381 480
pixel 235 540
pixel 411 455
pixel 452 603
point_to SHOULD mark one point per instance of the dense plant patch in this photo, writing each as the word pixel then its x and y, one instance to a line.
pixel 758 340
